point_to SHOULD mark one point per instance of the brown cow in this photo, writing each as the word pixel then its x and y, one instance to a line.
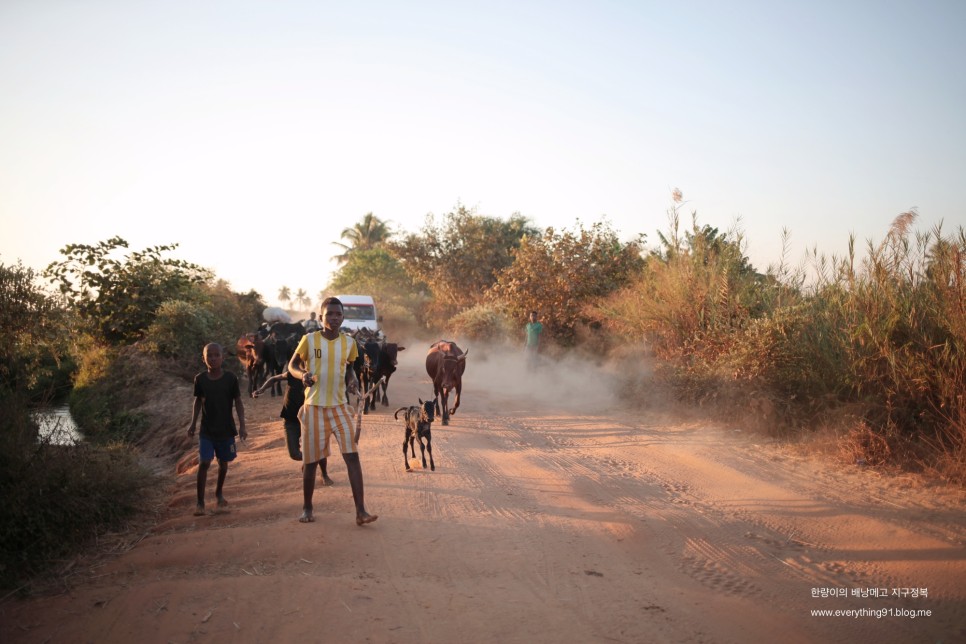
pixel 445 364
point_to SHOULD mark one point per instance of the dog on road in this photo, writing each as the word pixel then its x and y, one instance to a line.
pixel 419 420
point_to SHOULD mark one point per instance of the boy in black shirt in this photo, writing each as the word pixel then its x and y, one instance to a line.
pixel 215 391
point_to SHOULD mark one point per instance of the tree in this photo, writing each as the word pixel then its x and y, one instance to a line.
pixel 560 274
pixel 120 297
pixel 303 299
pixel 368 233
pixel 460 257
pixel 374 272
pixel 35 329
pixel 284 294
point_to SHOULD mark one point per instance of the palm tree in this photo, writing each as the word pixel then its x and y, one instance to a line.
pixel 302 298
pixel 370 232
pixel 284 294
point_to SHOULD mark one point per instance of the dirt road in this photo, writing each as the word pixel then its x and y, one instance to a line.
pixel 555 514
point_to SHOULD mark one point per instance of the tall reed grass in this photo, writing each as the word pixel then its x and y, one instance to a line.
pixel 881 336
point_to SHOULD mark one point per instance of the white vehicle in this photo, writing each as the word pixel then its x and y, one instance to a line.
pixel 360 311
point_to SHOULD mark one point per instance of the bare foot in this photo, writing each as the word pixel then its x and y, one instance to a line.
pixel 306 517
pixel 365 517
pixel 200 510
pixel 222 502
pixel 326 481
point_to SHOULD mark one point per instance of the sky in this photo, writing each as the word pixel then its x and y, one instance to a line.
pixel 252 133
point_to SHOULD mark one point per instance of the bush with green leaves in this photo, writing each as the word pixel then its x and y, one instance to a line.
pixel 118 297
pixel 34 354
pixel 181 330
pixel 111 382
pixel 377 273
pixel 234 313
pixel 458 258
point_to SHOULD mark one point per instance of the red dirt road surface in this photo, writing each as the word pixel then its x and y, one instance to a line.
pixel 556 514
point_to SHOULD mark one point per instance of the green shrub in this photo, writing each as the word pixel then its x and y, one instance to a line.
pixel 118 297
pixel 118 380
pixel 34 354
pixel 233 314
pixel 181 330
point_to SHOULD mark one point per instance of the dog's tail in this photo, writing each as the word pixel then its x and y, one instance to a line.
pixel 396 415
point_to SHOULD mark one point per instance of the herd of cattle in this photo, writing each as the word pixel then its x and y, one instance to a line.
pixel 267 351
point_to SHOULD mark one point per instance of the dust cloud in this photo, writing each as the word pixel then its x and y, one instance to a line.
pixel 569 382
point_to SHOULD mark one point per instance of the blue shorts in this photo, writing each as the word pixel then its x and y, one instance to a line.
pixel 225 450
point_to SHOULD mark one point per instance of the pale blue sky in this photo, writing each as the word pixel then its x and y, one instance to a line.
pixel 248 131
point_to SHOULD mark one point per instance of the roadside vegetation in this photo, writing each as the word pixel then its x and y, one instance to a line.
pixel 871 349
pixel 99 337
pixel 867 349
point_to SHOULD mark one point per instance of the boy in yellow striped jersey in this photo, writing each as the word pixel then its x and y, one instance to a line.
pixel 320 361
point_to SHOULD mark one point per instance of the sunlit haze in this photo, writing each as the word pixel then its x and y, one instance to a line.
pixel 252 133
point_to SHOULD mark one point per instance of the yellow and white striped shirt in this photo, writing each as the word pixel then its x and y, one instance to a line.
pixel 321 358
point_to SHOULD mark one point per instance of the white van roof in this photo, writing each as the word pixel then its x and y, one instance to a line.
pixel 355 299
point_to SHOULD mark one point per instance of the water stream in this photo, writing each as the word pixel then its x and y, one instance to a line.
pixel 57 425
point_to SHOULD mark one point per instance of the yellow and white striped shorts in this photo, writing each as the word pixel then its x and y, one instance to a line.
pixel 319 423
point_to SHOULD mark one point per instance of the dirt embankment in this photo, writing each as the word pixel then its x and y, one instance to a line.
pixel 554 515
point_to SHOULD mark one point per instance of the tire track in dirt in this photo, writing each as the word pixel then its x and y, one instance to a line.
pixel 632 490
pixel 753 555
pixel 498 452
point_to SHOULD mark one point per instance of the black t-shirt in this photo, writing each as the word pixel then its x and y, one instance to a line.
pixel 217 421
pixel 294 398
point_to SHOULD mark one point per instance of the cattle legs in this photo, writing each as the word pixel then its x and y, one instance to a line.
pixel 410 441
pixel 428 448
pixel 443 409
pixel 385 392
pixel 456 403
